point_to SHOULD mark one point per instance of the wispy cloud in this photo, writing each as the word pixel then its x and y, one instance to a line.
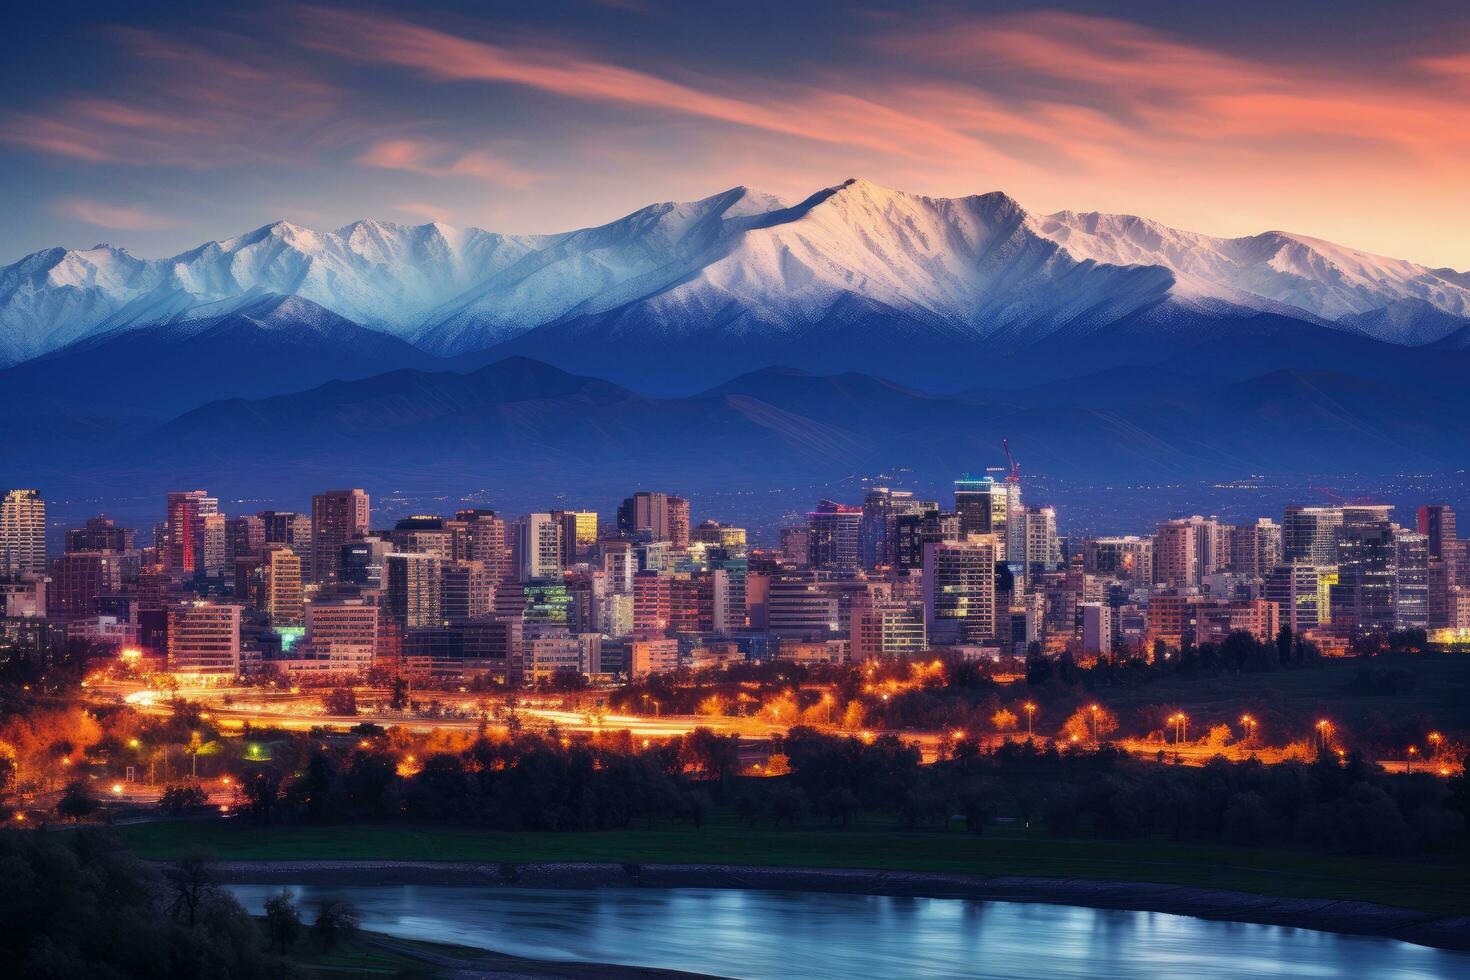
pixel 438 160
pixel 115 216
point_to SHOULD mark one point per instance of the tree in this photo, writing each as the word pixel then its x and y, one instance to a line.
pixel 77 801
pixel 282 921
pixel 179 800
pixel 340 701
pixel 398 700
pixel 1085 724
pixel 336 921
pixel 193 880
pixel 1004 720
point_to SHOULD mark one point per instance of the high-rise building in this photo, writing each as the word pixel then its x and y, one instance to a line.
pixel 467 591
pixel 834 543
pixel 985 505
pixel 661 515
pixel 1437 524
pixel 1310 534
pixel 212 545
pixel 1255 549
pixel 540 548
pixel 1362 599
pixel 485 540
pixel 579 534
pixel 204 638
pixel 413 589
pixel 884 627
pixel 244 536
pixel 101 534
pixel 1040 551
pixel 801 606
pixel 1130 558
pixel 1410 580
pixel 186 510
pixel 796 544
pixel 882 508
pixel 425 534
pixel 337 517
pixel 1187 550
pixel 1297 594
pixel 343 631
pixel 1097 628
pixel 22 533
pixel 79 579
pixel 959 589
pixel 914 530
pixel 283 600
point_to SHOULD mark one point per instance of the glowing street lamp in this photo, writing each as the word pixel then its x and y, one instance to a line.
pixel 1409 756
pixel 1250 727
pixel 1434 739
pixel 1092 719
pixel 1324 731
pixel 1030 709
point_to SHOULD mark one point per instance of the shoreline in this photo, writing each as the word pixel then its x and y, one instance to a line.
pixel 1324 915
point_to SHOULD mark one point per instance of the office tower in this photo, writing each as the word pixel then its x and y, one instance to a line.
pixel 619 564
pixel 486 541
pixel 1255 549
pixel 652 604
pixel 1187 550
pixel 796 545
pixel 914 530
pixel 101 534
pixel 22 533
pixel 1410 580
pixel 424 534
pixel 1437 524
pixel 212 545
pixel 244 536
pixel 412 589
pixel 539 546
pixel 579 534
pixel 467 591
pixel 1362 599
pixel 337 517
pixel 79 579
pixel 1129 558
pixel 361 563
pixel 343 631
pixel 1041 552
pixel 662 516
pixel 883 627
pixel 881 510
pixel 959 589
pixel 801 606
pixel 288 528
pixel 204 638
pixel 283 602
pixel 985 505
pixel 720 535
pixel 1097 628
pixel 185 530
pixel 1310 534
pixel 834 541
pixel 1297 594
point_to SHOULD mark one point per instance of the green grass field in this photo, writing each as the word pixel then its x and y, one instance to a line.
pixel 1439 887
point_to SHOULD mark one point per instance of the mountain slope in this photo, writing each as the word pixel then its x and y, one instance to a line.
pixel 739 270
pixel 1265 271
pixel 261 345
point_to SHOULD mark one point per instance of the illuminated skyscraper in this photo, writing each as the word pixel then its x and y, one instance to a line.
pixel 1362 599
pixel 22 533
pixel 186 508
pixel 540 548
pixel 579 534
pixel 959 589
pixel 1310 534
pixel 1410 580
pixel 413 589
pixel 281 571
pixel 204 638
pixel 835 541
pixel 337 516
pixel 663 516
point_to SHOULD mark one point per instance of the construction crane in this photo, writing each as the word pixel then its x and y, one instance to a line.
pixel 1015 475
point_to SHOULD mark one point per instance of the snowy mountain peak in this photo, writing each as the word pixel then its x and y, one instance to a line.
pixel 740 260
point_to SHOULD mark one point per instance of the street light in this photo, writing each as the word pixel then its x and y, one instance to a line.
pixel 1250 727
pixel 1324 731
pixel 1413 751
pixel 1434 739
pixel 1093 720
pixel 1030 709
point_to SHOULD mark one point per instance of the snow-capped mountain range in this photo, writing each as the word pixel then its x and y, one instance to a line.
pixel 745 264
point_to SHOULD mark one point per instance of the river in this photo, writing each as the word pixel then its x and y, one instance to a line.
pixel 765 935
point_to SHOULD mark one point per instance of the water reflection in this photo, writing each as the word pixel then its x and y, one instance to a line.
pixel 772 934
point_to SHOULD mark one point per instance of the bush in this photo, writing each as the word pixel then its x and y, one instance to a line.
pixel 179 800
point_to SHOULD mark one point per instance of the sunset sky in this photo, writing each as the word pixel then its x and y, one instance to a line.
pixel 159 126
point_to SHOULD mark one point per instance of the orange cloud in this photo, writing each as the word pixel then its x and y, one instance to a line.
pixel 435 159
pixel 120 217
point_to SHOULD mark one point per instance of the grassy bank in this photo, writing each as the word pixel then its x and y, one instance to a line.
pixel 1437 887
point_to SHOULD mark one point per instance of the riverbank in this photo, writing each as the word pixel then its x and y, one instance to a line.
pixel 1354 918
